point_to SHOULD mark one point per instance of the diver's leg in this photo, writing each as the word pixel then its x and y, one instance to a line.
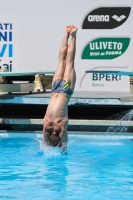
pixel 70 75
pixel 62 57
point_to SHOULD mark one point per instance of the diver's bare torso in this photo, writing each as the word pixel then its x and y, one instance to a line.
pixel 57 107
pixel 56 117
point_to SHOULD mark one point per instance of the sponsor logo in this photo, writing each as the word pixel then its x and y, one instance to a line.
pixel 98 18
pixel 6 46
pixel 105 48
pixel 106 18
pixel 106 77
pixel 118 19
pixel 8 41
pixel 95 69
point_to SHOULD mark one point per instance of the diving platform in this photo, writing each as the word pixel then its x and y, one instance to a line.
pixel 33 87
pixel 88 111
pixel 25 81
pixel 83 98
pixel 122 73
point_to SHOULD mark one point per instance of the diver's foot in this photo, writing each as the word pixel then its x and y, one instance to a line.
pixel 73 31
pixel 68 29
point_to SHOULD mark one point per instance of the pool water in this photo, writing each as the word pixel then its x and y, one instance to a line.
pixel 92 169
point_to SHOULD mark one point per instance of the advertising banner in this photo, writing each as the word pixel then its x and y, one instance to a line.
pixel 8 42
pixel 31 41
pixel 103 49
pixel 106 18
pixel 104 82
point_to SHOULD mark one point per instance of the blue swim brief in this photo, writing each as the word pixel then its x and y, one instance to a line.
pixel 62 86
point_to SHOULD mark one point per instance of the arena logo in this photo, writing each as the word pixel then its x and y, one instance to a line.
pixel 106 18
pixel 98 18
pixel 105 48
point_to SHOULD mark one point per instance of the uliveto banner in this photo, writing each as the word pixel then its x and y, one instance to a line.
pixel 105 48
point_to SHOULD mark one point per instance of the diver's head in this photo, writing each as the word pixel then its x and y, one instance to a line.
pixel 54 140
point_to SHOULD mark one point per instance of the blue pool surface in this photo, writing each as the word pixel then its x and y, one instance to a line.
pixel 92 169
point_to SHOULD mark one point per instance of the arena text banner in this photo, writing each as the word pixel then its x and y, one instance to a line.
pixel 8 42
pixel 106 18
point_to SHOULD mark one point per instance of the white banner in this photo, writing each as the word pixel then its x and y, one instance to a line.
pixel 8 41
pixel 104 38
pixel 104 82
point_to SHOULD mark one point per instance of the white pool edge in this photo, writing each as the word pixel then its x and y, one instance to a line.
pixel 89 135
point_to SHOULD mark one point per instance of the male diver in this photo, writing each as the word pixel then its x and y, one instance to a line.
pixel 56 117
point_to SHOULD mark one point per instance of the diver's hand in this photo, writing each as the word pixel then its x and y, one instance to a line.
pixel 64 148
